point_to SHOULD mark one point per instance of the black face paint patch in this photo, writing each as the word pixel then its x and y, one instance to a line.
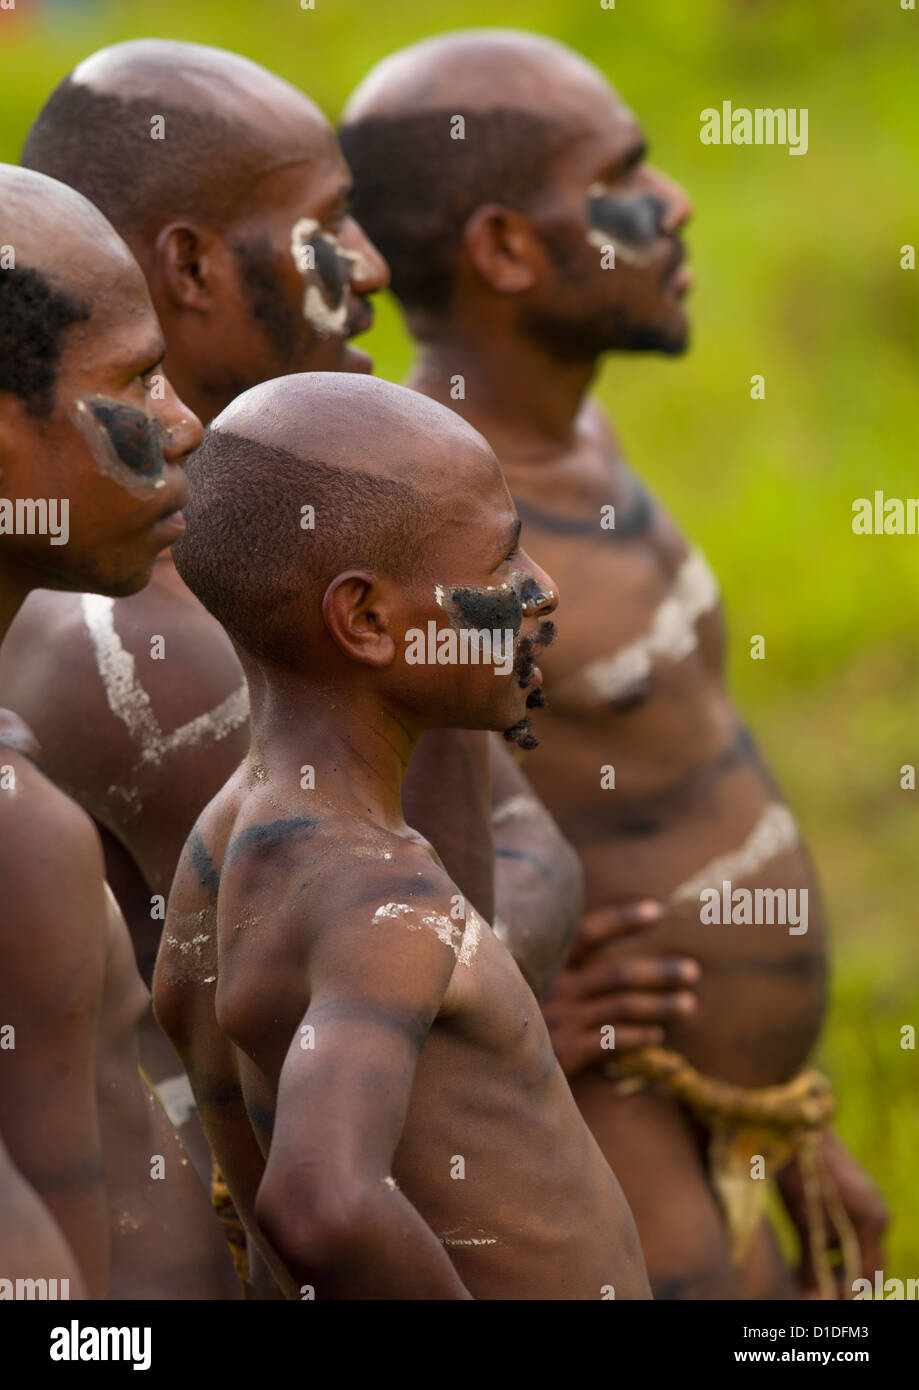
pixel 493 607
pixel 333 268
pixel 629 225
pixel 319 253
pixel 125 442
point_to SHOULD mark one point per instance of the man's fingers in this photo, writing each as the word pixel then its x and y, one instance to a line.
pixel 604 975
pixel 603 923
pixel 632 1035
pixel 631 1005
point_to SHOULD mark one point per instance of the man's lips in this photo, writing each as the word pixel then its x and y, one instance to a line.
pixel 169 528
pixel 361 319
pixel 673 272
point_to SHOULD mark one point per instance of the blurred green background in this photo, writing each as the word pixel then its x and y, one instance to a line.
pixel 798 278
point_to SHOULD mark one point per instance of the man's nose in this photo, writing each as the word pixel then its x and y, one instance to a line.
pixel 369 273
pixel 540 597
pixel 180 429
pixel 679 209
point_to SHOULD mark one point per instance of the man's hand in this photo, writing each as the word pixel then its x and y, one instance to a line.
pixel 597 987
pixel 863 1204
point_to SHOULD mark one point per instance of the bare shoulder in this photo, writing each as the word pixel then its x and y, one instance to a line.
pixel 52 871
pixel 118 660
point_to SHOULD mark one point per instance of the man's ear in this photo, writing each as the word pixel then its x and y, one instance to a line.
pixel 503 248
pixel 191 263
pixel 357 614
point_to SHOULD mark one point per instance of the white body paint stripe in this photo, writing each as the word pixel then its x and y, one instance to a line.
pixel 130 703
pixel 672 634
pixel 775 832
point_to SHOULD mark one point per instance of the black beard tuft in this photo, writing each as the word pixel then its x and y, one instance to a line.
pixel 524 662
pixel 522 734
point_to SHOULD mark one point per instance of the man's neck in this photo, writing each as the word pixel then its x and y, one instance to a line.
pixel 522 400
pixel 358 748
pixel 14 590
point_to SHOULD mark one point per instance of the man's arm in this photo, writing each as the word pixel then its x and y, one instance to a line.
pixel 32 1245
pixel 538 879
pixel 52 963
pixel 328 1204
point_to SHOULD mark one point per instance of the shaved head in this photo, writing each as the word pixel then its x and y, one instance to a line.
pixel 307 476
pixel 523 99
pixel 480 70
pixel 67 256
pixel 225 122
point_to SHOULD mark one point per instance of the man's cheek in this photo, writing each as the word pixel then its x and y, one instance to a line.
pixel 123 441
pixel 327 268
pixel 630 226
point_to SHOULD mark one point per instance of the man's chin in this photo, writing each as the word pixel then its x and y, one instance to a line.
pixel 354 359
pixel 670 339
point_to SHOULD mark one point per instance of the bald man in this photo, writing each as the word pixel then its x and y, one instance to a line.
pixel 239 217
pixel 527 235
pixel 91 470
pixel 372 1069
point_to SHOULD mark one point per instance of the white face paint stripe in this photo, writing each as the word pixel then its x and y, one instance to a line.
pixel 672 635
pixel 775 833
pixel 327 322
pixel 130 703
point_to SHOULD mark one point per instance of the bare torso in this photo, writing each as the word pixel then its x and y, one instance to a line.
pixel 537 1214
pixel 78 1119
pixel 635 685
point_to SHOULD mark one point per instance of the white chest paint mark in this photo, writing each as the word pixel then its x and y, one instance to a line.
pixel 672 635
pixel 501 931
pixel 775 833
pixel 472 1240
pixel 176 1097
pixel 130 703
pixel 521 806
pixel 462 937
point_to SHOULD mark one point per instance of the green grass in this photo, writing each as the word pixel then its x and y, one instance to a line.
pixel 798 278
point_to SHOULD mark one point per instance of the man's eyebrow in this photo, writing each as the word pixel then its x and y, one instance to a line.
pixel 513 538
pixel 632 157
pixel 342 198
pixel 146 361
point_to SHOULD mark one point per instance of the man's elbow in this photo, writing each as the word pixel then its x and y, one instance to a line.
pixel 313 1225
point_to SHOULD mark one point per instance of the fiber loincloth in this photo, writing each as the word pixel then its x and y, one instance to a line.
pixel 233 1228
pixel 775 1123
